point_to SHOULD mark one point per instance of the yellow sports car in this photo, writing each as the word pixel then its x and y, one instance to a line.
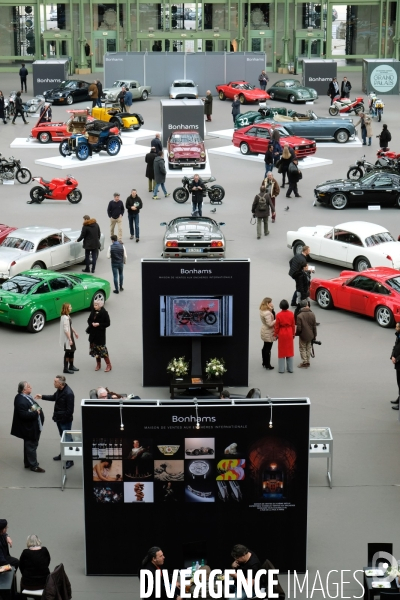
pixel 114 114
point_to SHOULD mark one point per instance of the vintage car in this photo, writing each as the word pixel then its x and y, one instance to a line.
pixel 199 451
pixel 99 136
pixel 254 139
pixel 40 248
pixel 47 132
pixel 355 245
pixel 374 293
pixel 139 92
pixel 5 230
pixel 34 297
pixel 114 114
pixel 292 90
pixel 193 237
pixel 186 149
pixel 183 88
pixel 245 91
pixel 378 187
pixel 68 92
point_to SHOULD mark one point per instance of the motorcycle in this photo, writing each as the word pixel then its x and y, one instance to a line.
pixel 215 192
pixel 389 154
pixel 376 106
pixel 195 316
pixel 11 168
pixel 363 167
pixel 345 106
pixel 56 189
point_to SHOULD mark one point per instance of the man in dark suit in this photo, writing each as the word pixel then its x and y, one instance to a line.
pixel 153 562
pixel 28 424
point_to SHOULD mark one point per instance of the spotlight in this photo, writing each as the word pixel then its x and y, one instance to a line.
pixel 197 414
pixel 197 425
pixel 270 424
pixel 120 414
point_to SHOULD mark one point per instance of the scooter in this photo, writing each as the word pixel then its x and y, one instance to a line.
pixel 376 106
pixel 345 106
pixel 56 189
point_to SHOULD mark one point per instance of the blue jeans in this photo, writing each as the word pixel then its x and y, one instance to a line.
pixel 197 206
pixel 268 168
pixel 98 102
pixel 163 189
pixel 118 270
pixel 65 427
pixel 133 218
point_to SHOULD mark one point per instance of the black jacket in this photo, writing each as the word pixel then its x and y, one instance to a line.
pixel 236 108
pixel 160 171
pixel 23 72
pixel 396 353
pixel 269 158
pixel 255 207
pixel 25 423
pixel 18 103
pixel 331 90
pixel 156 143
pixel 297 263
pixel 100 88
pixel 64 404
pixel 131 202
pixel 293 173
pixel 90 235
pixel 2 107
pixel 342 87
pixel 149 160
pixel 197 195
pixel 384 138
pixel 97 335
pixel 303 285
pixel 115 209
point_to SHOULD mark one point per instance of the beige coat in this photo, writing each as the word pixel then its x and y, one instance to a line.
pixel 268 323
pixel 65 332
pixel 368 125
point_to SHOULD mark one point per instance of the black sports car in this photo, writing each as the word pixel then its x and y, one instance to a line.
pixel 68 92
pixel 374 188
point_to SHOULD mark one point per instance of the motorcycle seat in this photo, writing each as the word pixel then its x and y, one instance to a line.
pixel 45 181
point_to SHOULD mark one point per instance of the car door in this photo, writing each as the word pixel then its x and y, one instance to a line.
pixel 74 250
pixel 358 294
pixel 386 189
pixel 249 137
pixel 261 140
pixel 334 247
pixel 43 298
pixel 134 90
pixel 279 91
pixel 82 91
pixel 63 290
pixel 58 251
pixel 365 192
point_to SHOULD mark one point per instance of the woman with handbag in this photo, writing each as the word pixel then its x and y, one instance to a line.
pixel 267 316
pixel 98 322
pixel 67 339
pixel 286 158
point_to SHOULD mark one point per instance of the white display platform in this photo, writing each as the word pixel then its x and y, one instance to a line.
pixel 128 138
pixel 71 162
pixel 227 134
pixel 139 134
pixel 306 163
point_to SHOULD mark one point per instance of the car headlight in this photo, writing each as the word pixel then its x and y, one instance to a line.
pixel 324 188
pixel 202 154
pixel 16 306
pixel 300 94
pixel 314 93
pixel 171 154
pixel 297 147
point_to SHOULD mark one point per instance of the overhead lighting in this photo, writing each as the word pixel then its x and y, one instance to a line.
pixel 270 424
pixel 197 413
pixel 121 404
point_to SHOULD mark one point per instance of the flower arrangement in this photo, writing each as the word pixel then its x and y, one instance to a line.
pixel 391 571
pixel 215 367
pixel 178 367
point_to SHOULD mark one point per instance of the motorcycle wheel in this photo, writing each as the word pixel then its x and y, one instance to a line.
pixel 23 175
pixel 37 194
pixel 354 173
pixel 216 193
pixel 210 318
pixel 359 109
pixel 75 196
pixel 63 148
pixel 180 195
pixel 333 111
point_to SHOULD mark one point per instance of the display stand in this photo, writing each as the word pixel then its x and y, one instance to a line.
pixel 318 73
pixel 185 383
pixel 70 449
pixel 381 76
pixel 48 74
pixel 321 446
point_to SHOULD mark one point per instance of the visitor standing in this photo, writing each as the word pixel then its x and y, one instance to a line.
pixel 288 155
pixel 115 211
pixel 384 138
pixel 149 160
pixel 156 143
pixel 272 188
pixel 345 88
pixel 98 321
pixel 133 206
pixel 260 209
pixel 94 93
pixel 128 99
pixel 99 92
pixel 208 104
pixel 160 174
pixel 267 316
pixel 333 89
pixel 23 74
pixel 306 329
pixel 263 79
pixel 2 111
pixel 118 256
pixel 67 338
pixel 284 332
pixel 294 176
pixel 28 420
pixel 90 237
pixel 235 107
pixel 196 188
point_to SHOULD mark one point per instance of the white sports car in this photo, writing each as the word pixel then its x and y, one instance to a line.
pixel 355 245
pixel 40 248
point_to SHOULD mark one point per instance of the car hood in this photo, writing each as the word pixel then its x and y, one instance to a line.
pixel 256 94
pixel 58 90
pixel 113 90
pixel 294 140
pixel 337 183
pixel 183 150
pixel 318 231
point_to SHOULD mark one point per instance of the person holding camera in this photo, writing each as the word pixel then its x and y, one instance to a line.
pixel 306 329
pixel 196 188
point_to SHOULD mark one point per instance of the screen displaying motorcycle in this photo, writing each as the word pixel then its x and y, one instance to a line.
pixel 193 316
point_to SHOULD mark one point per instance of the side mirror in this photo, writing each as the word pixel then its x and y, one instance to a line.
pixel 163 223
pixel 344 283
pixel 221 224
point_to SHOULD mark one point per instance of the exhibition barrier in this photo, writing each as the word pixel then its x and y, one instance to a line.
pixel 381 76
pixel 48 74
pixel 318 73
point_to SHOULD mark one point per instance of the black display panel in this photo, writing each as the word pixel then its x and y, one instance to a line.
pixel 196 316
pixel 195 492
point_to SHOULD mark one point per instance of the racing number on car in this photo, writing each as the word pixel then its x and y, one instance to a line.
pixel 243 121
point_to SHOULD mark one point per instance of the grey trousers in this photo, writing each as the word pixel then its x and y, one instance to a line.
pixel 289 364
pixel 30 448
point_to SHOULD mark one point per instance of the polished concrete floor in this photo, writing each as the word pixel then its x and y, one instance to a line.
pixel 350 382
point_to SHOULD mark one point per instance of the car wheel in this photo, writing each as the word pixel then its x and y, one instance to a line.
pixel 341 136
pixel 36 322
pixel 324 298
pixel 354 173
pixel 37 194
pixel 271 95
pixel 242 99
pixel 113 146
pixel 298 247
pixel 144 95
pixel 244 148
pixel 82 152
pixel 221 96
pixel 196 452
pixel 23 175
pixel 99 295
pixel 38 266
pixel 384 316
pixel 180 195
pixel 361 263
pixel 44 137
pixel 70 100
pixel 397 203
pixel 292 99
pixel 63 148
pixel 75 196
pixel 339 201
pixel 333 111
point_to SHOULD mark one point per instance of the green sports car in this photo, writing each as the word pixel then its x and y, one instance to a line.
pixel 31 298
pixel 292 90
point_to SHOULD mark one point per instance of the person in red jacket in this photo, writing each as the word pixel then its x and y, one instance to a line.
pixel 285 330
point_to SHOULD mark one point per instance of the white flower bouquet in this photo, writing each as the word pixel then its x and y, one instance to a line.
pixel 215 367
pixel 178 367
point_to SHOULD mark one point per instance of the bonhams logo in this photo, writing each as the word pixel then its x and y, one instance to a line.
pixel 183 126
pixel 47 80
pixel 196 271
pixel 193 419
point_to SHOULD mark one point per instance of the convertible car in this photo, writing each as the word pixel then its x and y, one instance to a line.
pixel 40 248
pixel 47 132
pixel 255 139
pixel 380 188
pixel 68 92
pixel 186 149
pixel 139 92
pixel 34 297
pixel 193 237
pixel 114 114
pixel 291 90
pixel 355 245
pixel 245 91
pixel 375 293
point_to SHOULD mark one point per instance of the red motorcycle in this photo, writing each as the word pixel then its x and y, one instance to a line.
pixel 56 189
pixel 388 154
pixel 345 106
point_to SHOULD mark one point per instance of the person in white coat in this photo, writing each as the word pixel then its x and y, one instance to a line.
pixel 67 338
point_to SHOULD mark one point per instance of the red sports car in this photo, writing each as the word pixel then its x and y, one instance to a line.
pixel 5 230
pixel 186 149
pixel 255 139
pixel 245 91
pixel 47 132
pixel 374 293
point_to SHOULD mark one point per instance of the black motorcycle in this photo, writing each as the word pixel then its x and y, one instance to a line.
pixel 195 316
pixel 215 192
pixel 11 168
pixel 363 167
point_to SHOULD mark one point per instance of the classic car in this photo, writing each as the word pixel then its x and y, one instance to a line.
pixel 5 230
pixel 355 245
pixel 183 88
pixel 374 293
pixel 199 451
pixel 379 188
pixel 139 92
pixel 99 136
pixel 68 92
pixel 292 90
pixel 245 91
pixel 262 114
pixel 40 248
pixel 193 237
pixel 255 139
pixel 114 114
pixel 47 132
pixel 34 297
pixel 186 149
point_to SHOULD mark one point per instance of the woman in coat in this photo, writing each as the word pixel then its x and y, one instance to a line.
pixel 235 107
pixel 67 341
pixel 276 145
pixel 366 128
pixel 284 332
pixel 286 159
pixel 2 113
pixel 34 564
pixel 208 100
pixel 267 316
pixel 384 138
pixel 98 322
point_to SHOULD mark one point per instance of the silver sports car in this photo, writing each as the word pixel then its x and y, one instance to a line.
pixel 183 88
pixel 193 237
pixel 40 248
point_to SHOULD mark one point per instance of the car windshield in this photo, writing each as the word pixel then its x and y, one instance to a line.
pixel 119 84
pixel 244 86
pixel 394 284
pixel 183 84
pixel 284 132
pixel 367 179
pixel 67 84
pixel 379 238
pixel 186 138
pixel 20 284
pixel 20 243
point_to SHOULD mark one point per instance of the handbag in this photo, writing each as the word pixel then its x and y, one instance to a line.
pixel 300 175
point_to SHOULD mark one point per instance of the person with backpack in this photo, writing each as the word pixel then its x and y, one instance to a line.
pixel 260 209
pixel 384 138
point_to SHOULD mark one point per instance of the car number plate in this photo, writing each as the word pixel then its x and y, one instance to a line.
pixel 194 249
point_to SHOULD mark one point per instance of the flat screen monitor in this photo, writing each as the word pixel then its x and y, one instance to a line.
pixel 196 316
